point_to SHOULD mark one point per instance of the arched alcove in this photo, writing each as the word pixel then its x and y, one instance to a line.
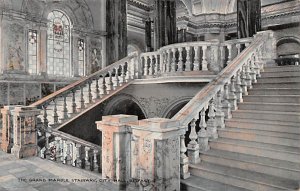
pixel 175 107
pixel 288 46
pixel 124 104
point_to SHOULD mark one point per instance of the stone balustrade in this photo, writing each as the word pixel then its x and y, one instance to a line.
pixel 67 149
pixel 191 56
pixel 219 98
pixel 63 105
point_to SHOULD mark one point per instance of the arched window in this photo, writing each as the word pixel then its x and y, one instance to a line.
pixel 58 44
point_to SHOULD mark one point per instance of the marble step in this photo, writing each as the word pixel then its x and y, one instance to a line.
pixel 280 152
pixel 267 115
pixel 273 98
pixel 273 126
pixel 282 69
pixel 280 74
pixel 260 136
pixel 279 79
pixel 250 162
pixel 242 178
pixel 195 183
pixel 274 91
pixel 277 85
pixel 260 106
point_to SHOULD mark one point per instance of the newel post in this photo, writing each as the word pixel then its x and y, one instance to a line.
pixel 25 131
pixel 156 154
pixel 7 128
pixel 116 147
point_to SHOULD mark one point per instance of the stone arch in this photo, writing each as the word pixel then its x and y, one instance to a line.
pixel 78 12
pixel 114 106
pixel 136 45
pixel 175 106
pixel 288 45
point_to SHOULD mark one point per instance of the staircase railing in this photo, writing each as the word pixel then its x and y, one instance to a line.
pixel 67 149
pixel 191 56
pixel 219 98
pixel 74 99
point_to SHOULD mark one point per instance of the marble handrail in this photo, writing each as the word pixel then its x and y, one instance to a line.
pixel 219 97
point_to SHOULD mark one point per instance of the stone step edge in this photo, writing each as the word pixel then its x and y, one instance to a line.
pixel 267 112
pixel 245 161
pixel 263 122
pixel 198 167
pixel 255 147
pixel 270 103
pixel 244 131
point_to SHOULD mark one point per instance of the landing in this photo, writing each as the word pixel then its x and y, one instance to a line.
pixel 12 170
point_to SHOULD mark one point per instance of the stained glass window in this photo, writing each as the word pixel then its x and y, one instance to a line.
pixel 81 57
pixel 58 44
pixel 32 52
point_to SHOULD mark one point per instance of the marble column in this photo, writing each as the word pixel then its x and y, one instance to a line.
pixel 156 154
pixel 116 19
pixel 248 17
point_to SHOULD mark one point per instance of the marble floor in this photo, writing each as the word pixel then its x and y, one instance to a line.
pixel 35 174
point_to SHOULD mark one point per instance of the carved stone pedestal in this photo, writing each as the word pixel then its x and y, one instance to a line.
pixel 25 131
pixel 156 154
pixel 116 148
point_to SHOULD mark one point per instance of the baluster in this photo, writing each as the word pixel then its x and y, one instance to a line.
pixel 184 161
pixel 82 106
pixel 128 73
pixel 253 71
pixel 55 115
pixel 90 96
pixel 239 89
pixel 202 134
pixel 204 60
pixel 87 162
pixel 219 112
pixel 57 149
pixel 229 47
pixel 116 79
pixel 188 59
pixel 196 61
pixel 222 50
pixel 78 155
pixel 122 76
pixel 65 109
pixel 146 65
pixel 64 150
pixel 68 159
pixel 109 86
pixel 151 65
pixel 45 119
pixel 226 103
pixel 96 166
pixel 97 91
pixel 162 62
pixel 47 146
pixel 74 102
pixel 238 46
pixel 102 87
pixel 211 123
pixel 173 65
pixel 232 96
pixel 180 62
pixel 156 61
pixel 244 80
pixel 193 147
pixel 61 151
pixel 168 65
pixel 247 44
pixel 248 76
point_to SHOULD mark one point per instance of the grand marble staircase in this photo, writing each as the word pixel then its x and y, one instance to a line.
pixel 259 148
